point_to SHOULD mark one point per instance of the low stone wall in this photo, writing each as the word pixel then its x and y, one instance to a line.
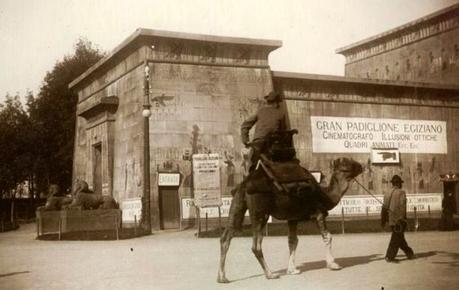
pixel 65 221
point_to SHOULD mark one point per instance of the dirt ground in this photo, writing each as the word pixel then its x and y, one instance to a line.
pixel 179 260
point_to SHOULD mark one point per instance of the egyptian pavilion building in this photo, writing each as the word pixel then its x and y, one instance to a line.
pixel 160 98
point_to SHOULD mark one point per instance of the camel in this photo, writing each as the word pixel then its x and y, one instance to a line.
pixel 309 201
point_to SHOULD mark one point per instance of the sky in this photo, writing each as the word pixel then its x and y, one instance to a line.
pixel 35 34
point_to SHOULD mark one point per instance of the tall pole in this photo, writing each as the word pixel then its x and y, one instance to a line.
pixel 146 113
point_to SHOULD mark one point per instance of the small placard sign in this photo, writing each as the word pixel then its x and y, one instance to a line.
pixel 168 179
pixel 385 155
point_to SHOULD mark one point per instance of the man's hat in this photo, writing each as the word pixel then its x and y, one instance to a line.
pixel 273 97
pixel 396 179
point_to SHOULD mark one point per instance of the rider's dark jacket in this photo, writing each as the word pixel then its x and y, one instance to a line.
pixel 267 120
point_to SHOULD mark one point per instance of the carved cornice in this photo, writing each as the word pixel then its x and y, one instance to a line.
pixel 439 22
pixel 186 51
pixel 186 48
pixel 320 88
pixel 102 105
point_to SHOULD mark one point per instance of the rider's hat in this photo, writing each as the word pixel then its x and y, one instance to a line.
pixel 396 179
pixel 273 97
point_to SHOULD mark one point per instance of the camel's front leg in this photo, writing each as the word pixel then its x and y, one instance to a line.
pixel 292 244
pixel 327 239
pixel 225 241
pixel 257 229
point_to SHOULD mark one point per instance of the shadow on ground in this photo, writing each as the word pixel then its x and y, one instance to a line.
pixel 280 228
pixel 348 262
pixel 94 235
pixel 13 273
pixel 453 256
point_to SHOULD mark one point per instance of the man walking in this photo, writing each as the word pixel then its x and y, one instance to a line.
pixel 394 212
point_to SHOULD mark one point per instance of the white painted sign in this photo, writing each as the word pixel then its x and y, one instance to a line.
pixel 168 179
pixel 206 180
pixel 359 135
pixel 352 205
pixel 189 211
pixel 131 208
pixel 365 204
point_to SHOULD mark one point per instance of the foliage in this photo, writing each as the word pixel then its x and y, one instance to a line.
pixel 14 149
pixel 39 141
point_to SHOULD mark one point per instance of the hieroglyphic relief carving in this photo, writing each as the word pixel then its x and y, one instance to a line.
pixel 176 50
pixel 208 89
pixel 248 106
pixel 160 101
pixel 132 176
pixel 242 55
pixel 208 53
pixel 230 169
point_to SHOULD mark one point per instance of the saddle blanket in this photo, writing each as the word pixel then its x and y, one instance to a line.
pixel 288 172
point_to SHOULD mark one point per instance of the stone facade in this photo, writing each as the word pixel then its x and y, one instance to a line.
pixel 201 88
pixel 424 50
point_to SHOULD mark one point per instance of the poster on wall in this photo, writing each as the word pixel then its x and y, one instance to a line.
pixel 385 156
pixel 206 180
pixel 360 135
pixel 131 210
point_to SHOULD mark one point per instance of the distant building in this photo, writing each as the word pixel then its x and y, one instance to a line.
pixel 423 50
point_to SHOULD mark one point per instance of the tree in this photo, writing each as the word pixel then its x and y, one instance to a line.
pixel 52 115
pixel 14 150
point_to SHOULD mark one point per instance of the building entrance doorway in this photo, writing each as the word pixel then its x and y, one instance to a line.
pixel 169 208
pixel 97 168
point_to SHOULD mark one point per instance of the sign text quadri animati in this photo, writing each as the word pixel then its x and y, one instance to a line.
pixel 360 135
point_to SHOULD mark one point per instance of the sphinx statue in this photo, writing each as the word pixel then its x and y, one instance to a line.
pixel 86 199
pixel 55 200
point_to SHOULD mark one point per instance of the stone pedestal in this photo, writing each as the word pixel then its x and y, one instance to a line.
pixel 65 221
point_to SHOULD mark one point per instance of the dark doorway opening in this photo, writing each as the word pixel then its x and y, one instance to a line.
pixel 169 208
pixel 97 168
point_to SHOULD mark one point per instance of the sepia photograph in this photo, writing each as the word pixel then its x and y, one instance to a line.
pixel 230 144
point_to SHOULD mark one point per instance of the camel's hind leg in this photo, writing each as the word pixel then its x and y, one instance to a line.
pixel 327 239
pixel 225 241
pixel 257 230
pixel 236 215
pixel 292 244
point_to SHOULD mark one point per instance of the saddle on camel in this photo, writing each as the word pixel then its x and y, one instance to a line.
pixel 280 165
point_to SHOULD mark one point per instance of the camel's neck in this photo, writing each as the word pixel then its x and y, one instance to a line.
pixel 336 189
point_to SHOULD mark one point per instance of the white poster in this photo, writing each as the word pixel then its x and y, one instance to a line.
pixel 189 211
pixel 131 209
pixel 206 180
pixel 359 135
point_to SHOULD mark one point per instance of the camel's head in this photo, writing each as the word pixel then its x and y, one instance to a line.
pixel 348 168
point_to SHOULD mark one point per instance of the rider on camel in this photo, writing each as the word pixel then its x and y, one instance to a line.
pixel 267 120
